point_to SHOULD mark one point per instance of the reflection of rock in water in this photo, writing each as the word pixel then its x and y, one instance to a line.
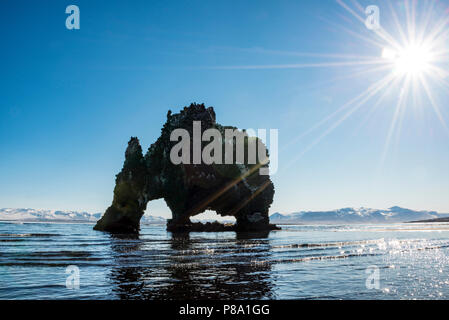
pixel 126 277
pixel 184 268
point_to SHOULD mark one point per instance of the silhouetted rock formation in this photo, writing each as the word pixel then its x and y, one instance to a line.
pixel 188 189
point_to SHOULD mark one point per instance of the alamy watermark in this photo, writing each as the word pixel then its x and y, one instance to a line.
pixel 372 21
pixel 212 153
pixel 73 20
pixel 373 279
pixel 73 280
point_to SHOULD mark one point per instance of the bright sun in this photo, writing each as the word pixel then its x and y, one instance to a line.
pixel 411 60
pixel 411 72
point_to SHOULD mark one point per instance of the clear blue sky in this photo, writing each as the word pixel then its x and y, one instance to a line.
pixel 70 100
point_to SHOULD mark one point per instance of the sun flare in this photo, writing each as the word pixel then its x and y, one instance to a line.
pixel 410 66
pixel 411 60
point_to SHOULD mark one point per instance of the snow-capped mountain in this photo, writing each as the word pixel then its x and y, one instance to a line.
pixel 147 219
pixel 344 216
pixel 354 215
pixel 46 215
pixel 39 215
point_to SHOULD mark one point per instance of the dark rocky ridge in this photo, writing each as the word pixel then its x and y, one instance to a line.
pixel 446 219
pixel 188 189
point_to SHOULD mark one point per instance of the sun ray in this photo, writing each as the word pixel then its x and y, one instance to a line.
pixel 433 103
pixel 394 121
pixel 306 54
pixel 424 26
pixel 418 54
pixel 379 86
pixel 353 75
pixel 398 25
pixel 431 38
pixel 381 32
pixel 377 104
pixel 333 114
pixel 410 15
pixel 443 84
pixel 300 65
pixel 354 34
pixel 408 85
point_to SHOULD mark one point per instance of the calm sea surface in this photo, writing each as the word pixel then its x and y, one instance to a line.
pixel 299 262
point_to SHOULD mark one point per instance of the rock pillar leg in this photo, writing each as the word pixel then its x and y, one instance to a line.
pixel 130 200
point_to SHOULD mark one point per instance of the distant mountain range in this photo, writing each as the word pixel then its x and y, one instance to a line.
pixel 39 215
pixel 339 216
pixel 355 215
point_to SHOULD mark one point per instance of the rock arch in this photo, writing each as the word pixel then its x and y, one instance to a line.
pixel 188 189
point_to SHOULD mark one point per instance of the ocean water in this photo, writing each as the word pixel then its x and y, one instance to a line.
pixel 396 261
